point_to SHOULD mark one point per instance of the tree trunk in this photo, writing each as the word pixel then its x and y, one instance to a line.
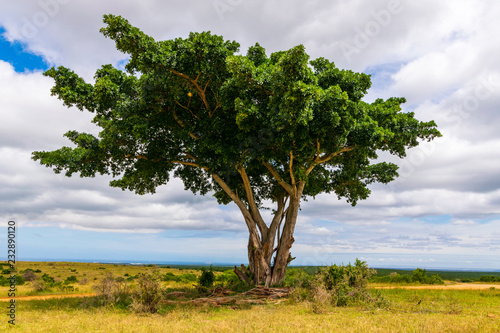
pixel 283 256
pixel 260 251
pixel 261 237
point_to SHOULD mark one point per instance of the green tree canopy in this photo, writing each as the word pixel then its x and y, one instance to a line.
pixel 247 128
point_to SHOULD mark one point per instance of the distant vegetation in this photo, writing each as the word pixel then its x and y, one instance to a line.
pixel 459 276
pixel 419 276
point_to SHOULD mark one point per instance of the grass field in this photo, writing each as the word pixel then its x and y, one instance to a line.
pixel 406 310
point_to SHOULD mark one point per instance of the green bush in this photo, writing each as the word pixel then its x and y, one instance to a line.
pixel 68 288
pixel 346 284
pixel 335 286
pixel 228 277
pixel 207 277
pixel 488 278
pixel 229 280
pixel 20 280
pixel 185 278
pixel 48 279
pixel 4 282
pixel 297 278
pixel 71 279
pixel 419 276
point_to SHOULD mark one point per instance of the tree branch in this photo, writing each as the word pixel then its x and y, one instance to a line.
pixel 278 218
pixel 325 158
pixel 280 180
pixel 328 157
pixel 142 157
pixel 186 108
pixel 246 214
pixel 181 124
pixel 291 171
pixel 251 202
pixel 201 92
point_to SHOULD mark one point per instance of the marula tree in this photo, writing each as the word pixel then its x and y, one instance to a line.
pixel 245 128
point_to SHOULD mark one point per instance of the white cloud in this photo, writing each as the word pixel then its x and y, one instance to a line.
pixel 441 55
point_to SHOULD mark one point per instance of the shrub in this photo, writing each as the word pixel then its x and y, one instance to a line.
pixel 297 278
pixel 345 283
pixel 419 276
pixel 186 278
pixel 83 281
pixel 148 294
pixel 229 280
pixel 4 282
pixel 207 277
pixel 68 288
pixel 169 277
pixel 487 278
pixel 19 280
pixel 48 279
pixel 29 275
pixel 228 277
pixel 111 290
pixel 337 286
pixel 38 286
pixel 71 279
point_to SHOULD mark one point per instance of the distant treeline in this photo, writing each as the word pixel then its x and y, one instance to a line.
pixel 445 275
pixel 464 276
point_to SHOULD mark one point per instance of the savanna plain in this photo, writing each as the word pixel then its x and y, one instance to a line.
pixel 94 297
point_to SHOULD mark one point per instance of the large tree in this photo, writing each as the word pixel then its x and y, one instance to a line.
pixel 250 129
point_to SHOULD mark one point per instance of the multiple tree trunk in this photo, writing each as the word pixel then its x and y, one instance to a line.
pixel 267 241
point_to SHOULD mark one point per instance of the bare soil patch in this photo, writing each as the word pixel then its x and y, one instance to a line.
pixel 41 297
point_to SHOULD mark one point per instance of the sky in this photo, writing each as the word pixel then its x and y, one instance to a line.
pixel 443 212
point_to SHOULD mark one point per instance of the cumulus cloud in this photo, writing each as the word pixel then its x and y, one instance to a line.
pixel 441 56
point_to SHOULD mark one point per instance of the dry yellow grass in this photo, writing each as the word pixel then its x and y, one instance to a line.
pixel 281 318
pixel 410 311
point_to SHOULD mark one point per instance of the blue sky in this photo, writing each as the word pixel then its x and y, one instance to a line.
pixel 442 212
pixel 19 57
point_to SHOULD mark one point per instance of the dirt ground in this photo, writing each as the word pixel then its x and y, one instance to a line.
pixel 41 297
